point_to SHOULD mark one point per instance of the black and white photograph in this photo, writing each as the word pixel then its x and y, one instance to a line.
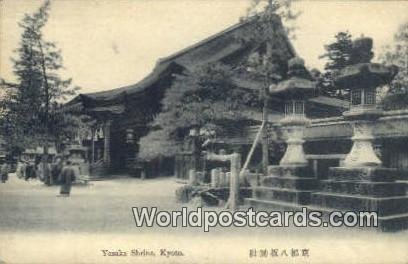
pixel 203 131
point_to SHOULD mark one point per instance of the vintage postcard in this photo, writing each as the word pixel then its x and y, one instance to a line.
pixel 203 131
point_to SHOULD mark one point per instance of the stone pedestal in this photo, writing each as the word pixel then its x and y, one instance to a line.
pixel 365 189
pixel 362 153
pixel 286 188
pixel 294 155
pixel 289 185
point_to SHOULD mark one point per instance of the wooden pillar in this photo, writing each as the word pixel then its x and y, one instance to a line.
pixel 107 139
pixel 93 146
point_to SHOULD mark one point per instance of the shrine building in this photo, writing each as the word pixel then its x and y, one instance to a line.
pixel 123 115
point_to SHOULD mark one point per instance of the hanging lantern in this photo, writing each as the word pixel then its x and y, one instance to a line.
pixel 129 136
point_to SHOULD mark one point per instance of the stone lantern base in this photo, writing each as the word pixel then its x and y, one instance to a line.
pixel 362 184
pixel 285 188
pixel 294 154
pixel 365 189
pixel 362 153
pixel 290 184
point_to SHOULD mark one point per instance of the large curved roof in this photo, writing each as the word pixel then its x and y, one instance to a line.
pixel 212 49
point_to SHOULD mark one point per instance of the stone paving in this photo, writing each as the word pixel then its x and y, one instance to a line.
pixel 36 226
pixel 100 206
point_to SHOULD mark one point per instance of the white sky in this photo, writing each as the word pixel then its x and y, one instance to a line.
pixel 108 44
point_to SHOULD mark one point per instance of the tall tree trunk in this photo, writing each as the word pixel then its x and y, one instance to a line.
pixel 46 117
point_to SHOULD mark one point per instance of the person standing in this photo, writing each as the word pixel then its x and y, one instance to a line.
pixel 20 171
pixel 56 169
pixel 4 172
pixel 67 176
pixel 30 171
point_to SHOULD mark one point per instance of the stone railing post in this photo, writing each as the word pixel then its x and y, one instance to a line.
pixel 222 179
pixel 235 163
pixel 192 177
pixel 234 181
pixel 227 178
pixel 215 174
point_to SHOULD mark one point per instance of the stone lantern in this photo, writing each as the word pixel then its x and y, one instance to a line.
pixel 294 92
pixel 362 78
pixel 290 183
pixel 362 184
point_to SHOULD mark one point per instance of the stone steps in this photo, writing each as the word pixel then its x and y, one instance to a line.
pixel 268 205
pixel 281 194
pixel 286 188
pixel 405 182
pixel 391 223
pixel 290 188
pixel 290 182
pixel 289 171
pixel 363 174
pixel 384 206
pixel 373 189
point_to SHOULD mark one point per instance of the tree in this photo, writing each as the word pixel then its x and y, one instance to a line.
pixel 338 55
pixel 268 61
pixel 209 99
pixel 34 114
pixel 205 99
pixel 264 11
pixel 339 51
pixel 269 21
pixel 397 54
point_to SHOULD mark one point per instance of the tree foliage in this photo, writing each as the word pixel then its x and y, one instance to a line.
pixel 265 11
pixel 33 115
pixel 338 55
pixel 397 54
pixel 206 99
pixel 266 33
pixel 209 99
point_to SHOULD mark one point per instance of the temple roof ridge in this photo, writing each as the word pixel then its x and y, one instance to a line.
pixel 232 28
pixel 164 62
